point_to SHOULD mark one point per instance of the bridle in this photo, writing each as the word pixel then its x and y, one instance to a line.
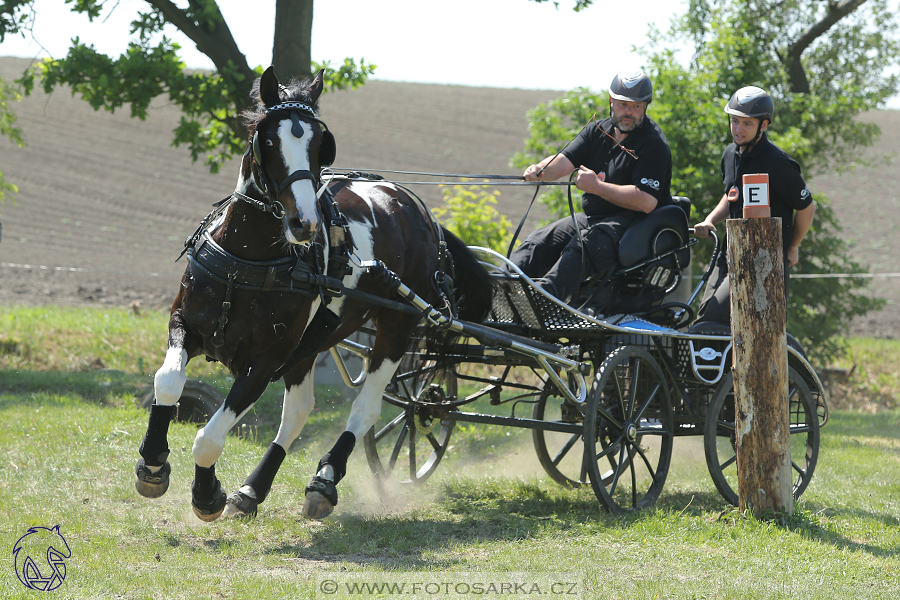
pixel 272 189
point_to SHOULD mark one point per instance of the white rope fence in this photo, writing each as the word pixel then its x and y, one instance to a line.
pixel 84 270
pixel 79 270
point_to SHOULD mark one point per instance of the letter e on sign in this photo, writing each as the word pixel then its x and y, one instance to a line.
pixel 756 196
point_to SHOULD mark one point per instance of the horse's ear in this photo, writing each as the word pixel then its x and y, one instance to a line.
pixel 268 88
pixel 318 83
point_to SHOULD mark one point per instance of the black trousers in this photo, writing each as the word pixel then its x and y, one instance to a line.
pixel 553 253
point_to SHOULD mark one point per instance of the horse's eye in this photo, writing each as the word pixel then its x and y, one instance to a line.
pixel 270 143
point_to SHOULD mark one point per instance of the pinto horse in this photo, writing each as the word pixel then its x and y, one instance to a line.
pixel 264 292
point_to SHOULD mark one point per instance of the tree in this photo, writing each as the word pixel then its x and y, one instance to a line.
pixel 470 212
pixel 823 62
pixel 8 129
pixel 211 102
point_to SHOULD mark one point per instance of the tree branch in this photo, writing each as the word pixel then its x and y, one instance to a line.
pixel 792 63
pixel 215 40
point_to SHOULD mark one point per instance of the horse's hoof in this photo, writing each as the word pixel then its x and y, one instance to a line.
pixel 321 498
pixel 148 483
pixel 240 506
pixel 213 510
pixel 316 506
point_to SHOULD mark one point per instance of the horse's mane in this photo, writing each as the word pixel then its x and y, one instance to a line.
pixel 294 91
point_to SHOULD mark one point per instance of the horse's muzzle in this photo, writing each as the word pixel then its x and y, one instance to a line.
pixel 302 231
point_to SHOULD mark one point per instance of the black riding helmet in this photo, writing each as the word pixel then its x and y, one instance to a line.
pixel 751 101
pixel 633 86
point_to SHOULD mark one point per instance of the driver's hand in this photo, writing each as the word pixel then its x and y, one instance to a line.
pixel 701 230
pixel 531 172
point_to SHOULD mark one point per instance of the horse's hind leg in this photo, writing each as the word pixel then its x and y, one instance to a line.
pixel 298 404
pixel 321 493
pixel 152 469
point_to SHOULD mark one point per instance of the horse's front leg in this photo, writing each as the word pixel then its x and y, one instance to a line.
pixel 321 493
pixel 207 498
pixel 298 404
pixel 152 469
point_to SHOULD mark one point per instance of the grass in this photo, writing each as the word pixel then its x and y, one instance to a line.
pixel 68 442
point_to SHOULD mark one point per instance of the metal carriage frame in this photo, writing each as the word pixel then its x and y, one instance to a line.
pixel 611 394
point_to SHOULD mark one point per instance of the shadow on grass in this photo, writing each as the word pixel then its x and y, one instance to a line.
pixel 479 514
pixel 811 525
pixel 100 387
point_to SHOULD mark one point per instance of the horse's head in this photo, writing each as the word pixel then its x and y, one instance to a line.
pixel 289 146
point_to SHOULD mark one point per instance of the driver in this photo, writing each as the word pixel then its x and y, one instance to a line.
pixel 751 110
pixel 624 169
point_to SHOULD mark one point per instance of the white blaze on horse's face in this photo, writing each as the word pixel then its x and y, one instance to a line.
pixel 301 218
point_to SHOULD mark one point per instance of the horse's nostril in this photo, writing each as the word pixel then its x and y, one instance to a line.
pixel 296 224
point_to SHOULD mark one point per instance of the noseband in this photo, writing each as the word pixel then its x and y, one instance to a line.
pixel 271 190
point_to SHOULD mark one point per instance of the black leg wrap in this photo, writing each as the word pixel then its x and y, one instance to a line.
pixel 338 455
pixel 155 447
pixel 207 498
pixel 261 479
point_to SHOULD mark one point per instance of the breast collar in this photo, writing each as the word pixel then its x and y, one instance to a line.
pixel 303 274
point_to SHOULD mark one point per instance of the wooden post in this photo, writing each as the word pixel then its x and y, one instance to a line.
pixel 760 366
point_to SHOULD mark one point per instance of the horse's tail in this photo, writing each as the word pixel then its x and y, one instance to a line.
pixel 471 281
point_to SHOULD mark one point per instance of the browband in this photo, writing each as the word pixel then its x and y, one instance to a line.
pixel 292 106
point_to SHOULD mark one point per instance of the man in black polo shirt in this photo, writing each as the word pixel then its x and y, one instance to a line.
pixel 751 110
pixel 624 169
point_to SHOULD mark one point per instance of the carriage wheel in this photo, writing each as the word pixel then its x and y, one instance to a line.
pixel 408 444
pixel 561 454
pixel 719 437
pixel 628 430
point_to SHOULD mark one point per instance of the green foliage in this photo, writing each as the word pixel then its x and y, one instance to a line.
pixel 553 125
pixel 470 213
pixel 744 42
pixel 211 102
pixel 348 75
pixel 8 129
pixel 734 47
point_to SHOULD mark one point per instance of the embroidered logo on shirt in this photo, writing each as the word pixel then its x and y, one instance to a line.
pixel 804 194
pixel 601 175
pixel 651 182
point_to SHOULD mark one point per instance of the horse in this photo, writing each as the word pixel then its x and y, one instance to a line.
pixel 267 287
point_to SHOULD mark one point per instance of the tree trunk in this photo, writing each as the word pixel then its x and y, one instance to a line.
pixel 758 321
pixel 293 37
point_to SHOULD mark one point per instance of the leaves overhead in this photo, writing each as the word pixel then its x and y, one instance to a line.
pixel 211 102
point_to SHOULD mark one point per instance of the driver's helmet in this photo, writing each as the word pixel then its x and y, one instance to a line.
pixel 632 86
pixel 751 101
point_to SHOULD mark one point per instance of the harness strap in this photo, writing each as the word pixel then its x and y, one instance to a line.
pixel 218 338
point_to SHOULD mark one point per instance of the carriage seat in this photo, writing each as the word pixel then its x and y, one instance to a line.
pixel 651 255
pixel 658 232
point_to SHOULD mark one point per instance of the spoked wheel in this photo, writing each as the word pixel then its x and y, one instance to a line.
pixel 561 454
pixel 410 439
pixel 719 439
pixel 628 430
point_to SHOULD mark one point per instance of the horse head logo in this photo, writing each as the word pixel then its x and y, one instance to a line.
pixel 40 558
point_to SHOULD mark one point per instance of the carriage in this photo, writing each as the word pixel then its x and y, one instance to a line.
pixel 299 257
pixel 608 394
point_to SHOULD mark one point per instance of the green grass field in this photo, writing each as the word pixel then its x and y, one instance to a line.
pixel 69 432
